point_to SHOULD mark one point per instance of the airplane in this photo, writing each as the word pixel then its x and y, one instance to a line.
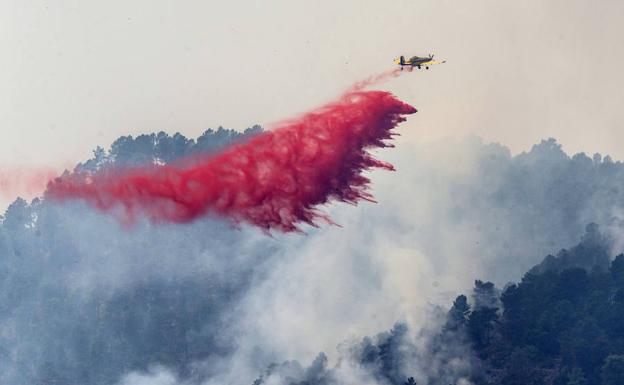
pixel 416 61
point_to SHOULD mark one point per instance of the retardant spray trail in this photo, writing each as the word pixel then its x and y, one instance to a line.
pixel 375 79
pixel 275 181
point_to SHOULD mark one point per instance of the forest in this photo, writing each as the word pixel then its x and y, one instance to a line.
pixel 560 325
pixel 86 301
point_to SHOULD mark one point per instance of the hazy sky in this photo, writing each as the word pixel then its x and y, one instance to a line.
pixel 76 74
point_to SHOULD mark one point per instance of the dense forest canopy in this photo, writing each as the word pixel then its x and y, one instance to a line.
pixel 163 148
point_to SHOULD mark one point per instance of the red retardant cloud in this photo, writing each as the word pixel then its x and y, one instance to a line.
pixel 24 181
pixel 274 181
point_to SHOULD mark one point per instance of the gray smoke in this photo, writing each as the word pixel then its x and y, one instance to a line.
pixel 86 300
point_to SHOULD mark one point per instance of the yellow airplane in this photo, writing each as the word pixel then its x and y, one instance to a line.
pixel 418 62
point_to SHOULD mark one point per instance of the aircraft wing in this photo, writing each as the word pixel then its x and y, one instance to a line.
pixel 434 62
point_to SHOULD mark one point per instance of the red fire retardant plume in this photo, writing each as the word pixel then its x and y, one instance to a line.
pixel 273 181
pixel 24 181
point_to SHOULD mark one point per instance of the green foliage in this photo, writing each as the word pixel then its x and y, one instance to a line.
pixel 613 370
pixel 617 271
pixel 577 377
pixel 127 151
pixel 561 325
pixel 458 315
pixel 574 376
pixel 481 325
pixel 410 381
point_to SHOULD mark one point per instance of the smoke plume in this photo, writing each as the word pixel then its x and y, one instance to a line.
pixel 274 181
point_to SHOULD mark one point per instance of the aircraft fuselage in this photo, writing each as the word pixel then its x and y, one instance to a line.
pixel 417 61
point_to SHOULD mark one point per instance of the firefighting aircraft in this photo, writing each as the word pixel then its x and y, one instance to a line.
pixel 416 61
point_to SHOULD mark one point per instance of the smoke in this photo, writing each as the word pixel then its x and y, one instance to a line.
pixel 274 181
pixel 86 301
pixel 24 181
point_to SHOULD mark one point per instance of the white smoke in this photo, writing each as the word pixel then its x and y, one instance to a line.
pixel 453 212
